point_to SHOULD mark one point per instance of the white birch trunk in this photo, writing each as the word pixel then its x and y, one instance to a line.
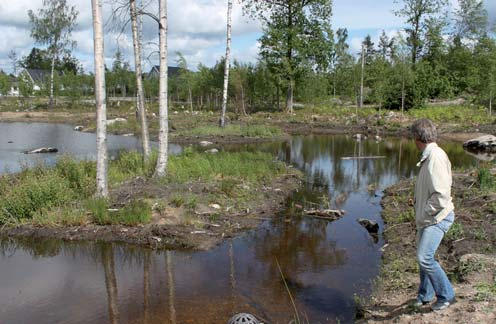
pixel 163 135
pixel 190 98
pixel 289 97
pixel 226 66
pixel 50 104
pixel 361 77
pixel 490 102
pixel 101 106
pixel 139 81
pixel 402 97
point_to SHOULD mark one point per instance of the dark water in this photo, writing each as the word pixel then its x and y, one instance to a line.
pixel 28 136
pixel 325 264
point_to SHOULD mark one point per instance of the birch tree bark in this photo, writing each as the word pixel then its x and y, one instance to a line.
pixel 100 99
pixel 163 135
pixel 226 65
pixel 361 76
pixel 139 82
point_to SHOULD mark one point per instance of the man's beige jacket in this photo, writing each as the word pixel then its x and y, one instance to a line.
pixel 433 188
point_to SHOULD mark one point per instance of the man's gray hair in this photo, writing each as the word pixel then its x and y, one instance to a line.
pixel 424 130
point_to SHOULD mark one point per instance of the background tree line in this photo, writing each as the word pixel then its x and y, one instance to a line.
pixel 438 55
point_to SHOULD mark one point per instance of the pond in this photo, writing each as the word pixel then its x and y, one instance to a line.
pixel 325 265
pixel 17 138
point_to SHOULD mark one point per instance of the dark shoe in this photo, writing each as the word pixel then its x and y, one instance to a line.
pixel 438 306
pixel 417 303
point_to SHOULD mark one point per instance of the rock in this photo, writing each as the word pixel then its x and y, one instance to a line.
pixel 10 142
pixel 79 128
pixel 42 150
pixel 128 134
pixel 481 143
pixel 212 151
pixel 215 206
pixel 205 143
pixel 371 226
pixel 116 120
pixel 377 138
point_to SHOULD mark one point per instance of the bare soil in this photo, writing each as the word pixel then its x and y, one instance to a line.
pixel 467 254
pixel 199 228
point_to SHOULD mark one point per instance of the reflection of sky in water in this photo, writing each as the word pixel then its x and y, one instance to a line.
pixel 28 136
pixel 324 263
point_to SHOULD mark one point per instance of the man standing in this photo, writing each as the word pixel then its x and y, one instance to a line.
pixel 434 215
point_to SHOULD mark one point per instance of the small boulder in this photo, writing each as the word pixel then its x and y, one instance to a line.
pixel 371 226
pixel 42 150
pixel 481 143
pixel 79 128
pixel 116 120
pixel 205 143
pixel 212 151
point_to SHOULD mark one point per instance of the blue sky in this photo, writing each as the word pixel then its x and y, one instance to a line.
pixel 196 29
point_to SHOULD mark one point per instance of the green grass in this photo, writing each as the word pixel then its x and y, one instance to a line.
pixel 63 194
pixel 486 179
pixel 134 213
pixel 43 188
pixel 248 130
pixel 485 291
pixel 453 114
pixel 243 166
pixel 455 232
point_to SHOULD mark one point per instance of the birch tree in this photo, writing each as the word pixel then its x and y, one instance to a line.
pixel 417 14
pixel 140 102
pixel 52 26
pixel 226 65
pixel 163 135
pixel 101 107
pixel 296 34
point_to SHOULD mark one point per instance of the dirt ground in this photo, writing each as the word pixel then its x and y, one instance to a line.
pixel 198 228
pixel 467 253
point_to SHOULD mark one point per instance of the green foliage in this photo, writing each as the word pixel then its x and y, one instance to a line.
pixel 4 83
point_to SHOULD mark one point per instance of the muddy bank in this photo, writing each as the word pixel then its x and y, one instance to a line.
pixel 206 225
pixel 467 253
pixel 393 124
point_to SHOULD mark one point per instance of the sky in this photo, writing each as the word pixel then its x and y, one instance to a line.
pixel 197 29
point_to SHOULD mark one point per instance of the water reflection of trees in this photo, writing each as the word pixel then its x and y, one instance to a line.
pixel 300 246
pixel 110 282
pixel 320 157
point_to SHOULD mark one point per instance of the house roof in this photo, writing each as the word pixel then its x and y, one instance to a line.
pixel 39 75
pixel 172 71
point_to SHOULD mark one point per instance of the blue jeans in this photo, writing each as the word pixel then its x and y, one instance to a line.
pixel 433 279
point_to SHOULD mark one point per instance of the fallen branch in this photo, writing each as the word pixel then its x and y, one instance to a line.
pixel 387 229
pixel 329 214
pixel 362 157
